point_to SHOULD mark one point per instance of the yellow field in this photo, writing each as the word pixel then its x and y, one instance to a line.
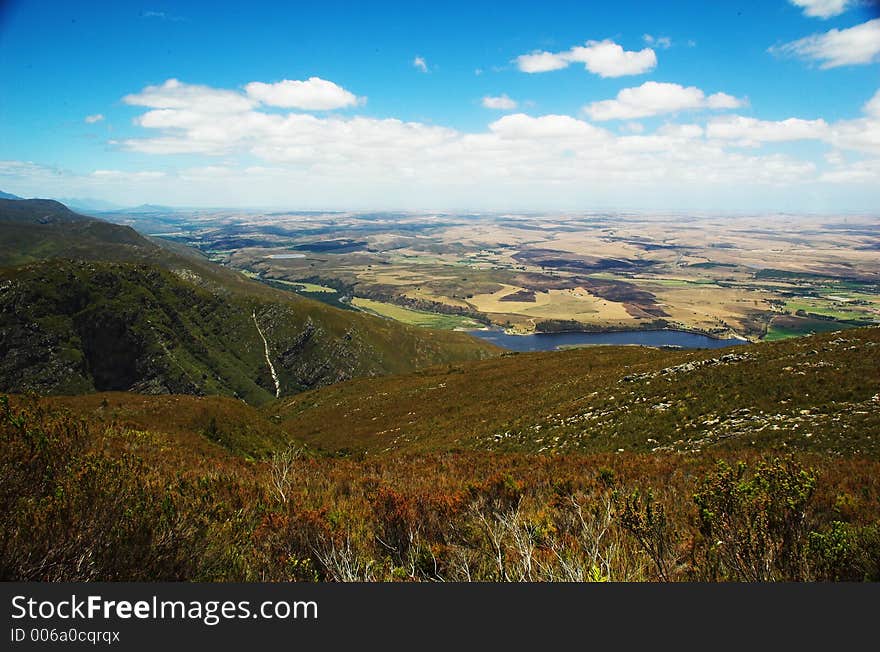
pixel 576 304
pixel 415 317
pixel 311 287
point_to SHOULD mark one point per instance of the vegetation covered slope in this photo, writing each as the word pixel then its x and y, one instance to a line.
pixel 818 393
pixel 36 229
pixel 118 486
pixel 74 326
pixel 97 499
pixel 86 305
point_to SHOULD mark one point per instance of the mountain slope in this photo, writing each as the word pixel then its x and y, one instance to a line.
pixel 78 326
pixel 818 393
pixel 37 229
pixel 100 307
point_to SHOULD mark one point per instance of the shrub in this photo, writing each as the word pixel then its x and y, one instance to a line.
pixel 752 526
pixel 846 552
pixel 645 519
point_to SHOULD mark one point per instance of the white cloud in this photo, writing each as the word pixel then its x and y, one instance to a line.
pixel 604 58
pixel 314 94
pixel 520 126
pixel 608 59
pixel 860 172
pixel 501 102
pixel 861 134
pixel 835 48
pixel 662 42
pixel 287 157
pixel 724 101
pixel 541 62
pixel 420 64
pixel 174 94
pixel 822 8
pixel 872 106
pixel 857 135
pixel 657 98
pixel 685 131
pixel 92 119
pixel 750 131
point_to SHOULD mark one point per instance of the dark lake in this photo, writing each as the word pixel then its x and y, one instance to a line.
pixel 551 341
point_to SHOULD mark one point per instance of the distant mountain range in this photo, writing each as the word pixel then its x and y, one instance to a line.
pixel 143 208
pixel 89 204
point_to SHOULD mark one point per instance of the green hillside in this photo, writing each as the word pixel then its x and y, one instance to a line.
pixel 758 465
pixel 86 306
pixel 74 326
pixel 819 393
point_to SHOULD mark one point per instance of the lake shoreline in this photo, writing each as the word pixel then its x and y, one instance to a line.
pixel 611 329
pixel 654 337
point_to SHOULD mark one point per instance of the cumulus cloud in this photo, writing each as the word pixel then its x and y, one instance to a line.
pixel 685 131
pixel 541 62
pixel 520 126
pixel 307 158
pixel 516 149
pixel 845 47
pixel 657 98
pixel 314 94
pixel 92 119
pixel 751 131
pixel 604 58
pixel 176 95
pixel 420 64
pixel 857 135
pixel 822 8
pixel 861 134
pixel 501 102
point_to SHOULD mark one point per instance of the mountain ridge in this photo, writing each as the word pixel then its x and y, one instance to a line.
pixel 82 297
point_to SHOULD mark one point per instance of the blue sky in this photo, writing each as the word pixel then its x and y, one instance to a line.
pixel 764 105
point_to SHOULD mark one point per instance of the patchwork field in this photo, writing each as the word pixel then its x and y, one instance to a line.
pixel 755 276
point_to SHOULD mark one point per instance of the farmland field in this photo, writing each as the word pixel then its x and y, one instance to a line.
pixel 415 317
pixel 718 275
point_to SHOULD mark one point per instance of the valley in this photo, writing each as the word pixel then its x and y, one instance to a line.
pixel 237 400
pixel 749 276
